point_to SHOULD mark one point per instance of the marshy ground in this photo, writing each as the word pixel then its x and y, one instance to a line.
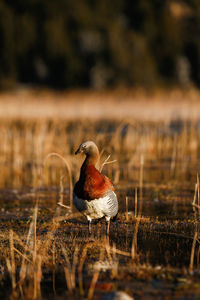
pixel 153 251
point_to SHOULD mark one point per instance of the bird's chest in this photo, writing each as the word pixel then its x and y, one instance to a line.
pixel 91 184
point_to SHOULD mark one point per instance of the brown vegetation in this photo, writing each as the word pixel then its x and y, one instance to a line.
pixel 45 249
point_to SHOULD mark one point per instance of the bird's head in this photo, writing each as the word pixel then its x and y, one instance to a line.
pixel 88 148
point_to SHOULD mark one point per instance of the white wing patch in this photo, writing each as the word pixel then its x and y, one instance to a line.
pixel 95 209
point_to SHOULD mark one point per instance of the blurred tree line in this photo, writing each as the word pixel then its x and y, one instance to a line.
pixel 99 43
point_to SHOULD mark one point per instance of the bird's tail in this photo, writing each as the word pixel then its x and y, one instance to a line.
pixel 114 218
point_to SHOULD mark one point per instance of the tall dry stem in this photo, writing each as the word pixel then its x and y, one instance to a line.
pixel 136 202
pixel 61 192
pixel 126 209
pixel 174 155
pixel 134 240
pixel 70 270
pixel 27 248
pixel 191 266
pixel 67 270
pixel 95 276
pixel 80 266
pixel 196 199
pixel 11 262
pixel 36 259
pixel 141 182
pixel 69 173
pixel 54 266
pixel 106 162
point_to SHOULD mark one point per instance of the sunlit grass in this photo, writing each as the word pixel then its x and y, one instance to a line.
pixel 146 158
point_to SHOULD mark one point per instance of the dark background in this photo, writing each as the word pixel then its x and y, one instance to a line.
pixel 99 43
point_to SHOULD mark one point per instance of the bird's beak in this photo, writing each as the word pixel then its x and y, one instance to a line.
pixel 78 151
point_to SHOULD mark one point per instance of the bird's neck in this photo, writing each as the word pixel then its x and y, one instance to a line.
pixel 90 160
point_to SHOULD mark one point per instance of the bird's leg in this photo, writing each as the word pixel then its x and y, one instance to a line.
pixel 89 225
pixel 107 226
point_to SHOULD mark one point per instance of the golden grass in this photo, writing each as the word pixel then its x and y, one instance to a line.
pixel 119 104
pixel 34 136
pixel 70 177
pixel 36 253
pixel 25 144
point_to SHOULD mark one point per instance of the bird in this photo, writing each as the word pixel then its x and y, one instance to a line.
pixel 118 295
pixel 94 195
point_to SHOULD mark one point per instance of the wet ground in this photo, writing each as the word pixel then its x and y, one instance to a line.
pixel 166 239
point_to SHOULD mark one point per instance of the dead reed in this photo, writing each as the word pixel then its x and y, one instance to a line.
pixel 196 199
pixel 25 144
pixel 69 173
pixel 30 274
pixel 139 214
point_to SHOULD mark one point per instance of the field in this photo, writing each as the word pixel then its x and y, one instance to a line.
pixel 150 148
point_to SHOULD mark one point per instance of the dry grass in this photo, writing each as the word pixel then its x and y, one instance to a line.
pixel 32 254
pixel 25 144
pixel 156 106
pixel 32 140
